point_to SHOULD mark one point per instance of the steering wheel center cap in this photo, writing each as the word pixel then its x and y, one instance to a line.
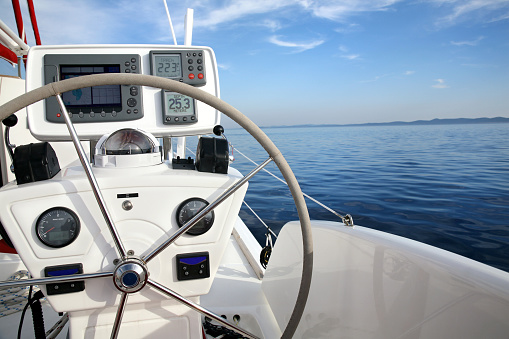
pixel 130 275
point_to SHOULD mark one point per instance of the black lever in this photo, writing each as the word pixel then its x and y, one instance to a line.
pixel 9 122
pixel 218 130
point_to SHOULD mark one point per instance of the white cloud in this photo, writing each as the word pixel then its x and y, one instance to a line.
pixel 97 21
pixel 235 10
pixel 345 55
pixel 409 72
pixel 440 84
pixel 504 16
pixel 474 42
pixel 461 10
pixel 350 56
pixel 343 48
pixel 273 25
pixel 297 46
pixel 340 10
pixel 337 10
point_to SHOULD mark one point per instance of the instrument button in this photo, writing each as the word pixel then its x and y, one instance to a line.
pixel 131 102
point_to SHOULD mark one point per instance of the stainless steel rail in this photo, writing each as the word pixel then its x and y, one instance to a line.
pixel 54 280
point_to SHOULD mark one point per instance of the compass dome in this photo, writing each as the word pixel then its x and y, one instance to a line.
pixel 127 147
pixel 128 141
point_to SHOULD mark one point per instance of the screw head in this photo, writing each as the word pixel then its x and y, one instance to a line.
pixel 127 205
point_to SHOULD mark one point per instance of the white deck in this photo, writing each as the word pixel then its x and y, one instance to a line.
pixel 370 284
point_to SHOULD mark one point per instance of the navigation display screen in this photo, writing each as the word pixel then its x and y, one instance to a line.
pixel 97 96
pixel 95 104
pixel 167 65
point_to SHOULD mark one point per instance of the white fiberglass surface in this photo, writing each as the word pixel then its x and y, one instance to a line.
pixel 159 191
pixel 369 284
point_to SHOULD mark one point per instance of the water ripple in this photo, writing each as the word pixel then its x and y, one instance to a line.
pixel 443 185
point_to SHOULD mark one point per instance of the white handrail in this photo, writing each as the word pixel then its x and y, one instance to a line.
pixel 10 40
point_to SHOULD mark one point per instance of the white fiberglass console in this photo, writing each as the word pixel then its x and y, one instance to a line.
pixel 98 110
pixel 113 222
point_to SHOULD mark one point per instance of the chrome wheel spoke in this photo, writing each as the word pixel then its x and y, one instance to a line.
pixel 118 317
pixel 199 308
pixel 54 280
pixel 210 207
pixel 91 179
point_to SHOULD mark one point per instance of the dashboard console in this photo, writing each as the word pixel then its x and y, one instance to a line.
pixel 98 110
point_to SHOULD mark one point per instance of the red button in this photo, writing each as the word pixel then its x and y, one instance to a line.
pixel 58 115
pixel 191 76
pixel 200 76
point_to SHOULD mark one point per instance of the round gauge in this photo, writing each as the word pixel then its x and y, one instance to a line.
pixel 57 227
pixel 188 209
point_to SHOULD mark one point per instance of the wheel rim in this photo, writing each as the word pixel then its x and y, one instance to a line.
pixel 134 269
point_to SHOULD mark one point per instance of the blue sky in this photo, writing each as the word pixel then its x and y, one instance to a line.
pixel 286 62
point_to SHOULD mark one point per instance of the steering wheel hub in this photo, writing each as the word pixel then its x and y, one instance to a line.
pixel 130 275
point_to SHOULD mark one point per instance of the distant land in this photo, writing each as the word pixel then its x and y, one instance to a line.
pixel 459 121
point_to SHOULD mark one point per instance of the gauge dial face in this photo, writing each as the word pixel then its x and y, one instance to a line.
pixel 188 209
pixel 57 227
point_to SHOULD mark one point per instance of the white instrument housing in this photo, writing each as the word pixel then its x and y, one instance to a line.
pixel 152 120
pixel 155 191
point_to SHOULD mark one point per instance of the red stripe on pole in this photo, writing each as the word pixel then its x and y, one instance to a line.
pixel 33 19
pixel 8 55
pixel 19 20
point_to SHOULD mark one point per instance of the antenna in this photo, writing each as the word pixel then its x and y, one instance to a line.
pixel 171 24
pixel 188 27
pixel 188 39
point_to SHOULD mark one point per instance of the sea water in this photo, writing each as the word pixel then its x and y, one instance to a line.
pixel 445 185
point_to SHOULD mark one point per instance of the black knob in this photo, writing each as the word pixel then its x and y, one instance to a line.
pixel 218 130
pixel 10 121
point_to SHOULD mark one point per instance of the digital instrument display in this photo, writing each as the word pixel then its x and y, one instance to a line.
pixel 178 108
pixel 187 66
pixel 98 96
pixel 168 65
pixel 57 227
pixel 109 103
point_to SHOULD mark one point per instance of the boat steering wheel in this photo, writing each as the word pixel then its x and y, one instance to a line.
pixel 129 264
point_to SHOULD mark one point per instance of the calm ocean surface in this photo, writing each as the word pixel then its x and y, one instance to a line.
pixel 445 185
